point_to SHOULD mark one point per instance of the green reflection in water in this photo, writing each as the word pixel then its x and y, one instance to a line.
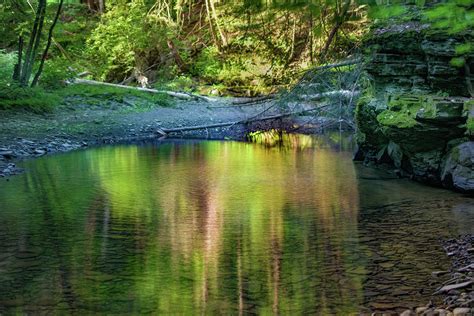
pixel 190 227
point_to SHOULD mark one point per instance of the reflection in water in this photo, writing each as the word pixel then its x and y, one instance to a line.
pixel 218 227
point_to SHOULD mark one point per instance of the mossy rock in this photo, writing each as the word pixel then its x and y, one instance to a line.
pixel 369 133
pixel 401 112
pixel 407 111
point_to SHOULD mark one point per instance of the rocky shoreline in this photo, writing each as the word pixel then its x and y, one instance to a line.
pixel 86 123
pixel 458 290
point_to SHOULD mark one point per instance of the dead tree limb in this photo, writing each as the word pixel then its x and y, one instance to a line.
pixel 338 93
pixel 164 131
pixel 253 100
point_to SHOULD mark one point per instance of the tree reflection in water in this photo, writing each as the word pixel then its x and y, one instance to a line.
pixel 210 227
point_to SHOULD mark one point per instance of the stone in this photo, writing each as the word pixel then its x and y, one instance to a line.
pixel 420 310
pixel 27 142
pixel 408 312
pixel 418 107
pixel 441 111
pixel 8 154
pixel 458 168
pixel 395 153
pixel 441 312
pixel 462 311
pixel 39 152
pixel 439 273
pixel 448 288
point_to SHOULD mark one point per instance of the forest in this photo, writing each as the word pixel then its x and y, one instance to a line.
pixel 237 157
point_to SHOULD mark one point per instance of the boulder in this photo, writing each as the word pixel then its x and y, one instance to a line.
pixel 458 168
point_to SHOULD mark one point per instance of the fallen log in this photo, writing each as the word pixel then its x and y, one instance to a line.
pixel 179 95
pixel 165 131
pixel 329 94
pixel 253 100
pixel 339 64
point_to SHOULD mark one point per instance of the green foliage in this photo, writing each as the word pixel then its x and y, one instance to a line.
pixel 457 62
pixel 35 99
pixel 179 83
pixel 7 63
pixel 453 16
pixel 208 64
pixel 113 93
pixel 465 48
pixel 387 12
pixel 124 39
pixel 401 112
pixel 13 95
pixel 56 72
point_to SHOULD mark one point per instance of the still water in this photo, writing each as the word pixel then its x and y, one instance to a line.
pixel 191 227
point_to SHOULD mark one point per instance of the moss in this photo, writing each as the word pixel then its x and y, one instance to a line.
pixel 368 132
pixel 403 110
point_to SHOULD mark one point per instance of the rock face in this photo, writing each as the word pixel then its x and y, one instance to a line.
pixel 416 112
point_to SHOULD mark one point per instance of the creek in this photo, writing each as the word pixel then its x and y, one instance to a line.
pixel 288 224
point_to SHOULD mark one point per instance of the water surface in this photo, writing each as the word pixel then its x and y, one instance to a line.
pixel 220 227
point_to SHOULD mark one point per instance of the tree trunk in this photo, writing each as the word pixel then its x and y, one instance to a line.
pixel 214 14
pixel 35 33
pixel 177 57
pixel 211 26
pixel 95 5
pixel 48 44
pixel 339 21
pixel 17 70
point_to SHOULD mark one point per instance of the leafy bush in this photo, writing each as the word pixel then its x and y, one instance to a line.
pixel 56 72
pixel 180 83
pixel 208 64
pixel 113 93
pixel 124 39
pixel 7 63
pixel 35 99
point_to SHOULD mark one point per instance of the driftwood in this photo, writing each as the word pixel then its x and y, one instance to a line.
pixel 165 131
pixel 340 64
pixel 333 94
pixel 179 95
pixel 249 101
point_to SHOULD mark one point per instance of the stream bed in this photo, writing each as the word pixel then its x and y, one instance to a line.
pixel 221 227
